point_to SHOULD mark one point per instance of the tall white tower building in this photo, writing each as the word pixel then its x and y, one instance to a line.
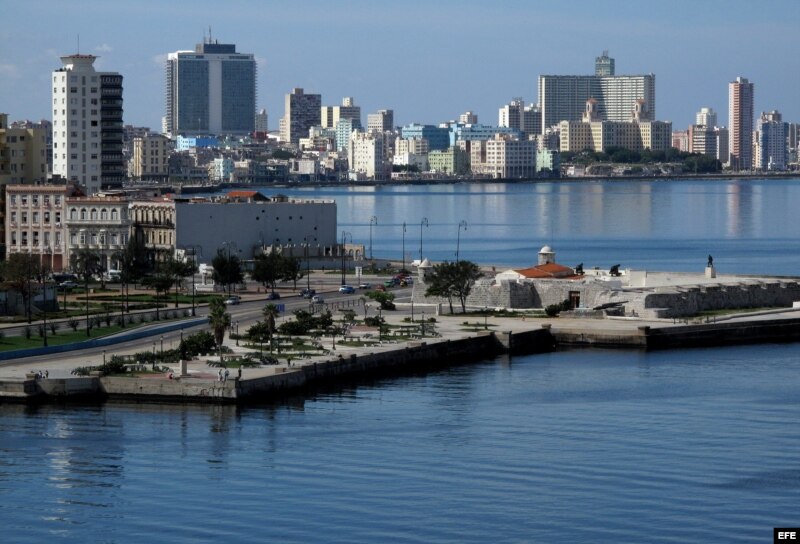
pixel 87 124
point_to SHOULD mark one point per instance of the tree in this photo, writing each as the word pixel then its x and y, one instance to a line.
pixel 270 313
pixel 292 270
pixel 219 319
pixel 386 300
pixel 161 281
pixel 86 263
pixel 448 280
pixel 178 270
pixel 268 269
pixel 227 269
pixel 17 271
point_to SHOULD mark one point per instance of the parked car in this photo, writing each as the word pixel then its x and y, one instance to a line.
pixel 347 289
pixel 308 293
pixel 273 296
pixel 67 285
pixel 233 300
pixel 317 299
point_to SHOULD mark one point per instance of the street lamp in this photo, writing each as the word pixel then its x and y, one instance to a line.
pixel 194 248
pixel 345 234
pixel 404 246
pixel 104 357
pixel 154 355
pixel 308 266
pixel 380 324
pixel 463 223
pixel 372 221
pixel 237 332
pixel 162 348
pixel 423 223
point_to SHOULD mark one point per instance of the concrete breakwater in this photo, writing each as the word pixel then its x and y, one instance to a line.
pixel 283 379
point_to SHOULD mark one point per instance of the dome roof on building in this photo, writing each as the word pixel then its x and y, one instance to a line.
pixel 546 249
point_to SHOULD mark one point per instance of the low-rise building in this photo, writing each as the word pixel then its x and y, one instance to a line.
pixel 153 225
pixel 504 157
pixel 99 223
pixel 453 161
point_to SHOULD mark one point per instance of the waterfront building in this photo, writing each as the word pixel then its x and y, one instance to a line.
pixel 211 90
pixel 366 155
pixel 702 139
pixel 301 112
pixel 36 222
pixel 680 140
pixel 468 133
pixel 770 151
pixel 331 115
pixel 262 119
pixel 416 146
pixel 153 224
pixel 706 117
pixel 344 128
pixel 452 161
pixel 247 227
pixel 525 119
pixel 547 160
pixel 504 157
pixel 637 134
pixel 468 118
pixel 438 137
pixel 419 161
pixel 98 223
pixel 381 121
pixel 561 98
pixel 150 160
pixel 723 151
pixel 740 123
pixel 87 124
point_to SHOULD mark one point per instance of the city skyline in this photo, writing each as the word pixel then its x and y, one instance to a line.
pixel 393 57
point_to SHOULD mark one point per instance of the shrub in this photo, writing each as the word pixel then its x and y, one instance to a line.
pixel 53 327
pixel 40 330
pixel 73 324
pixel 107 319
pixel 27 332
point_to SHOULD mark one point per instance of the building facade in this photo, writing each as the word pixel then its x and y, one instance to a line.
pixel 211 90
pixel 331 115
pixel 504 157
pixel 561 98
pixel 438 137
pixel 452 161
pixel 702 139
pixel 153 225
pixel 150 160
pixel 771 150
pixel 706 117
pixel 381 121
pixel 36 222
pixel 87 124
pixel 100 224
pixel 366 155
pixel 740 123
pixel 518 116
pixel 301 112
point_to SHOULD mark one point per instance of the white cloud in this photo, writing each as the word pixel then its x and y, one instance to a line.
pixel 9 71
pixel 104 48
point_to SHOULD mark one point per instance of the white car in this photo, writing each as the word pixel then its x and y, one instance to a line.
pixel 317 299
pixel 233 300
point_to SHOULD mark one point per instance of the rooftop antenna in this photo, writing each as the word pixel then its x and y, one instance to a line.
pixel 209 35
pixel 79 44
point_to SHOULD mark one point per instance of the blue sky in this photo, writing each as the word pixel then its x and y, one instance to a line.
pixel 429 61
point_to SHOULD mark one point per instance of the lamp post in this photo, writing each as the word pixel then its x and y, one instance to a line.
pixel 194 248
pixel 154 355
pixel 162 349
pixel 463 223
pixel 345 234
pixel 308 266
pixel 237 332
pixel 423 223
pixel 372 221
pixel 104 357
pixel 380 324
pixel 404 246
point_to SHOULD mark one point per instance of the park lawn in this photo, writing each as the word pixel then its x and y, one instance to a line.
pixel 62 336
pixel 182 299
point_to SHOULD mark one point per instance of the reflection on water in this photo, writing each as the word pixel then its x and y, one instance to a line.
pixel 598 223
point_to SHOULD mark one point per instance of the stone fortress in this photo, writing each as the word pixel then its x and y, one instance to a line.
pixel 632 293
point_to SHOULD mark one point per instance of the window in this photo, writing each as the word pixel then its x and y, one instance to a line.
pixel 58 239
pixel 104 215
pixel 83 215
pixel 94 214
pixel 13 217
pixel 47 217
pixel 57 200
pixel 24 218
pixel 114 215
pixel 58 217
pixel 13 238
pixel 36 217
pixel 36 238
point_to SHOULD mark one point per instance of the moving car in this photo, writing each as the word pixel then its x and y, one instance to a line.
pixel 318 299
pixel 365 286
pixel 307 293
pixel 347 289
pixel 233 300
pixel 273 296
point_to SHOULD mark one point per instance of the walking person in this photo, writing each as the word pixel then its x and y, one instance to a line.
pixel 227 373
pixel 220 375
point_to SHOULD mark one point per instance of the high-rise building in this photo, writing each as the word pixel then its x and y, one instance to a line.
pixel 211 90
pixel 438 137
pixel 526 119
pixel 330 115
pixel 87 124
pixel 702 139
pixel 301 112
pixel 468 118
pixel 562 98
pixel 770 142
pixel 723 150
pixel 381 121
pixel 366 154
pixel 150 157
pixel 23 153
pixel 604 65
pixel 706 117
pixel 740 123
pixel 261 121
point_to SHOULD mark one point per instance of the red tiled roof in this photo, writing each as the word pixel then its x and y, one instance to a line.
pixel 549 270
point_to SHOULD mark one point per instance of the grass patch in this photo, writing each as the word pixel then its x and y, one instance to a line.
pixel 63 336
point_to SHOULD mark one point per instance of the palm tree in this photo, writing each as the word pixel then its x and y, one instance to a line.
pixel 219 319
pixel 86 263
pixel 270 313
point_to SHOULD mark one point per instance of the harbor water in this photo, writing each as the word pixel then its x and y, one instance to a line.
pixel 571 446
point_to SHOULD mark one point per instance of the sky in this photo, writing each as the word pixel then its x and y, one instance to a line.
pixel 429 61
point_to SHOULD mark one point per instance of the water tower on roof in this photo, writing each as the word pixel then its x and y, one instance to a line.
pixel 547 255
